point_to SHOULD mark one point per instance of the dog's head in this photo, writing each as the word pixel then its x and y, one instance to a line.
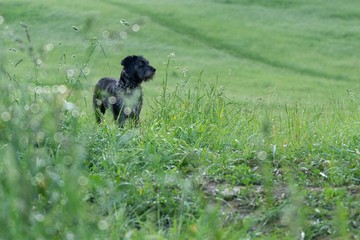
pixel 137 69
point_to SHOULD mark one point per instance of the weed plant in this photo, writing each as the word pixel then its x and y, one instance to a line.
pixel 199 167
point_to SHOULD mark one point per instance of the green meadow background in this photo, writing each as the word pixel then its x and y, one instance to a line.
pixel 250 128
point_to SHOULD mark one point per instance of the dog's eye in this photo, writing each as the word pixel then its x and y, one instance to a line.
pixel 141 64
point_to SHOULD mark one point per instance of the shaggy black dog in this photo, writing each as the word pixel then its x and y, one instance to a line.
pixel 123 96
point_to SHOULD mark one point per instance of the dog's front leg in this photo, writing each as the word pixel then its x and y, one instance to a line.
pixel 118 114
pixel 121 119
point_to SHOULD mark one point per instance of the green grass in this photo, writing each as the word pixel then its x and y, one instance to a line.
pixel 250 129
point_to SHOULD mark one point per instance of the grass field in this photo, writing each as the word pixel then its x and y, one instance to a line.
pixel 250 129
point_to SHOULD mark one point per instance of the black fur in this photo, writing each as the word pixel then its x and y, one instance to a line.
pixel 123 96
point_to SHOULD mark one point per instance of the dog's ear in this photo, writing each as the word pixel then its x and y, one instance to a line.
pixel 128 61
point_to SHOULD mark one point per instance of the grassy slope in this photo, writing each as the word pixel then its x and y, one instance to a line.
pixel 292 50
pixel 285 49
pixel 195 153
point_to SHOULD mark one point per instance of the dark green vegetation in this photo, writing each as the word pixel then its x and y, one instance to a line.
pixel 250 130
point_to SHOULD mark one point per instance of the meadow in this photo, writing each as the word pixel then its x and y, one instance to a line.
pixel 250 129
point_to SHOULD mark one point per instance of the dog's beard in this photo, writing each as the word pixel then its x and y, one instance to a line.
pixel 149 74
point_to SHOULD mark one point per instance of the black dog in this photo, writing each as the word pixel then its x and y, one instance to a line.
pixel 123 96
